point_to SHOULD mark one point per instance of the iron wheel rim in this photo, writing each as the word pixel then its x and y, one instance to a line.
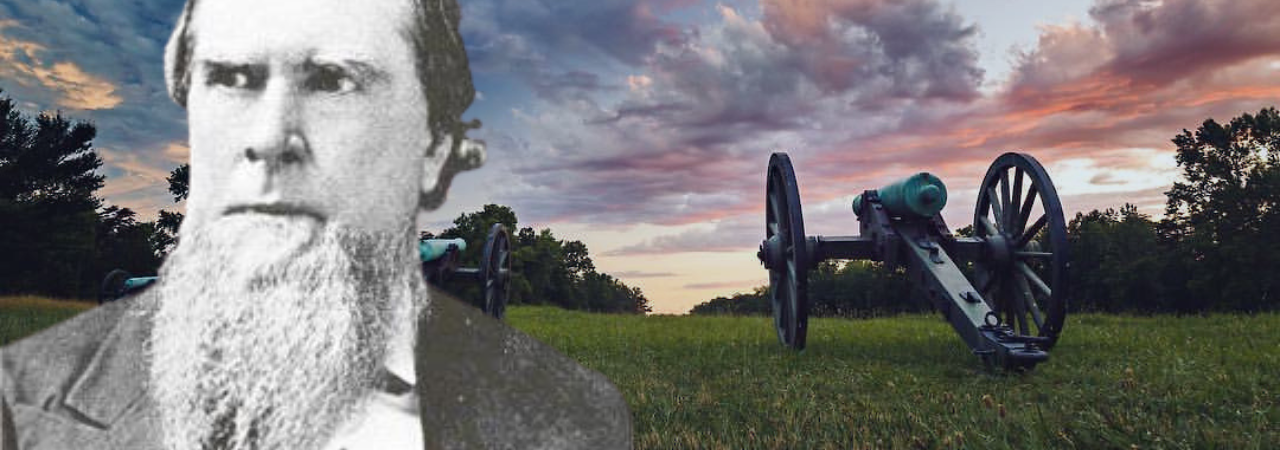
pixel 1030 291
pixel 497 271
pixel 113 286
pixel 787 285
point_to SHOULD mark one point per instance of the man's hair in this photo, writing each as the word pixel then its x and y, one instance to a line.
pixel 440 61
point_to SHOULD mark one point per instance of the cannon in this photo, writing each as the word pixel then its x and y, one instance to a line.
pixel 1004 290
pixel 439 264
pixel 119 283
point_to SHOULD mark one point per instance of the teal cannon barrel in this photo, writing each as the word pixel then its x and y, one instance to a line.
pixel 918 196
pixel 431 249
pixel 137 282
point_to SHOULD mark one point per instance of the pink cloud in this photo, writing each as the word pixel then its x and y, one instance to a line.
pixel 141 184
pixel 1080 94
pixel 1094 91
pixel 1138 50
pixel 1161 42
pixel 20 61
pixel 690 136
pixel 841 42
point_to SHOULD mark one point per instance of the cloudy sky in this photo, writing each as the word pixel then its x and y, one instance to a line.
pixel 644 128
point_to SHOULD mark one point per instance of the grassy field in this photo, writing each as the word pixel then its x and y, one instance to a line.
pixel 20 316
pixel 908 382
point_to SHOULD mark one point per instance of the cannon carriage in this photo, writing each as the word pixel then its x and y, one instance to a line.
pixel 440 263
pixel 1004 289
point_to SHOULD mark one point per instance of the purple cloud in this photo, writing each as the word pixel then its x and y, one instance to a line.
pixel 623 30
pixel 687 138
pixel 109 58
pixel 728 235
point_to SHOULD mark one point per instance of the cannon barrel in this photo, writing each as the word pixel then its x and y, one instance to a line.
pixel 919 196
pixel 431 249
pixel 137 282
pixel 1004 289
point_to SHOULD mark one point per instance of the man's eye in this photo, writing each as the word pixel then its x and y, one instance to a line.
pixel 331 79
pixel 235 77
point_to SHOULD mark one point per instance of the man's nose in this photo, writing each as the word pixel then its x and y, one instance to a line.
pixel 278 140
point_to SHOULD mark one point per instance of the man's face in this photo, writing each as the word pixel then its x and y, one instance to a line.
pixel 310 111
pixel 296 266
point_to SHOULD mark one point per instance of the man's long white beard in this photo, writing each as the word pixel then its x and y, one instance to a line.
pixel 262 341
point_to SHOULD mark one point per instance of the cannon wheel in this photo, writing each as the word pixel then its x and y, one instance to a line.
pixel 113 285
pixel 1023 275
pixel 495 271
pixel 788 281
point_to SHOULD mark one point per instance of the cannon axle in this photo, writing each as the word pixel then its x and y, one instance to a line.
pixel 440 263
pixel 1008 308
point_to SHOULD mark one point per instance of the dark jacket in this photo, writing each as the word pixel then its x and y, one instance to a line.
pixel 481 384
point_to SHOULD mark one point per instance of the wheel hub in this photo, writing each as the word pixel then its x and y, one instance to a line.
pixel 1000 250
pixel 770 252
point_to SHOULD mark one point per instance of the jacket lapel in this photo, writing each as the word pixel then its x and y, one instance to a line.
pixel 111 393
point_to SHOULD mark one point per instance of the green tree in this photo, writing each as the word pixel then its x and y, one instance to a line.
pixel 526 236
pixel 124 243
pixel 179 182
pixel 1117 262
pixel 755 302
pixel 1223 215
pixel 51 162
pixel 638 303
pixel 167 225
pixel 856 289
pixel 474 228
pixel 546 270
pixel 56 236
pixel 47 207
pixel 577 260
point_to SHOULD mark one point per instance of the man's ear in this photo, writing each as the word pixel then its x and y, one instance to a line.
pixel 470 155
pixel 433 163
pixel 442 164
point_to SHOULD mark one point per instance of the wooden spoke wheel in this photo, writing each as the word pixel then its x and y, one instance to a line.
pixel 1022 273
pixel 784 253
pixel 495 271
pixel 113 286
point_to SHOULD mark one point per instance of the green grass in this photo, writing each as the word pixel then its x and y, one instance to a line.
pixel 23 315
pixel 909 382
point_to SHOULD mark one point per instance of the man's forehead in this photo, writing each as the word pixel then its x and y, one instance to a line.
pixel 369 30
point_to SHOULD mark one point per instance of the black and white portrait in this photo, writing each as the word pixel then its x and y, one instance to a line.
pixel 292 313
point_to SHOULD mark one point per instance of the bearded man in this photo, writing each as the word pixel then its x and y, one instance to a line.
pixel 292 314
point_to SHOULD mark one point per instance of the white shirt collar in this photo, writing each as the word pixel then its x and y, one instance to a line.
pixel 389 421
pixel 400 360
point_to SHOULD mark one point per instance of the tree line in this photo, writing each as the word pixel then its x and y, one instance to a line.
pixel 1216 249
pixel 545 270
pixel 59 239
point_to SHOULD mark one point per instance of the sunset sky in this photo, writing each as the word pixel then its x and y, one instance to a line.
pixel 644 128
